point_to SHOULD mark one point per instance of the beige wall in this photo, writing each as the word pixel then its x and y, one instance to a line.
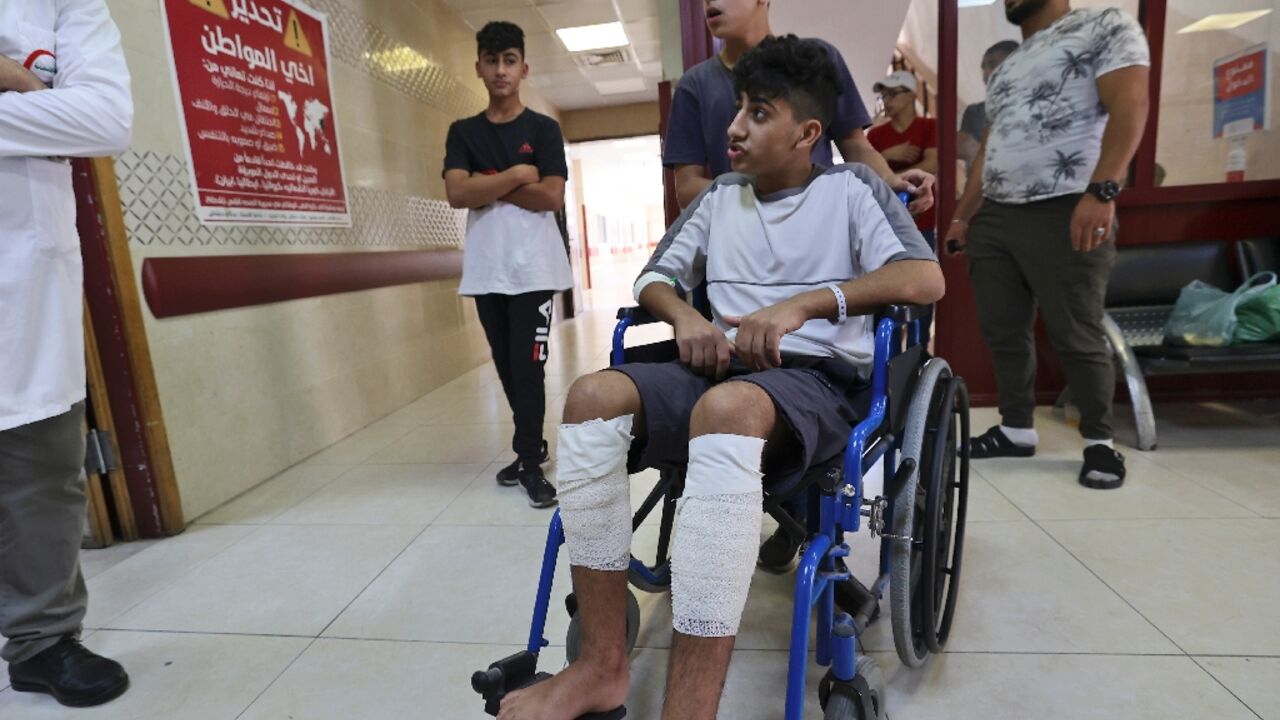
pixel 246 393
pixel 616 121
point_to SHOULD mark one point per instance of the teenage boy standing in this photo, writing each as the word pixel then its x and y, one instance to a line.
pixel 506 165
pixel 908 142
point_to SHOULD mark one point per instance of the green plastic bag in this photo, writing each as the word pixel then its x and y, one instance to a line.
pixel 1258 318
pixel 1206 316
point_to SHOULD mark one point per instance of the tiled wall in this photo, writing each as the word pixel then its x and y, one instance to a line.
pixel 247 393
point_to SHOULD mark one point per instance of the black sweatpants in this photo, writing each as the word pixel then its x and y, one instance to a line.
pixel 519 331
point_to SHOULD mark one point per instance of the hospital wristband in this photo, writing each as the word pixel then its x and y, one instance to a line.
pixel 842 305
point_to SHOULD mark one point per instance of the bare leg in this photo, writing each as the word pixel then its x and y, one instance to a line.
pixel 598 681
pixel 698 667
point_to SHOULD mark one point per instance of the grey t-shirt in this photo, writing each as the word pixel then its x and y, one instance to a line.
pixel 703 107
pixel 1044 116
pixel 753 250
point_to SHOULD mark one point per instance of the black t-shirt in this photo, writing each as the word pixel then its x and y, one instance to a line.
pixel 476 144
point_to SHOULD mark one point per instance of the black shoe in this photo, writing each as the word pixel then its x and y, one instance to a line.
pixel 1103 468
pixel 779 552
pixel 994 443
pixel 541 494
pixel 510 475
pixel 72 674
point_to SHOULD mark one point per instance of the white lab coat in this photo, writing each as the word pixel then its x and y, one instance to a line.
pixel 74 46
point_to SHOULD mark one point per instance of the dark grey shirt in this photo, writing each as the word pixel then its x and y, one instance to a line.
pixel 703 108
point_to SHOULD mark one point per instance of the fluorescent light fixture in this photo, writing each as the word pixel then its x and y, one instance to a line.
pixel 618 87
pixel 593 37
pixel 975 3
pixel 1223 21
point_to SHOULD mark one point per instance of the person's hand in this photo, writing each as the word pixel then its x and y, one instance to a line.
pixel 957 237
pixel 905 153
pixel 1091 223
pixel 15 77
pixel 920 184
pixel 703 347
pixel 525 173
pixel 760 333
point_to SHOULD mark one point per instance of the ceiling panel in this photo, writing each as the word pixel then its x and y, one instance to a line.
pixel 578 12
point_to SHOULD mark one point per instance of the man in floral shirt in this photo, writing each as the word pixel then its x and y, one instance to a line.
pixel 1065 114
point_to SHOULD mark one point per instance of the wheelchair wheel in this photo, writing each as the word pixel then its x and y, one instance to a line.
pixel 842 701
pixel 573 638
pixel 910 512
pixel 946 505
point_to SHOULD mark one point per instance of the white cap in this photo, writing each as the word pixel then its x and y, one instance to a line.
pixel 898 79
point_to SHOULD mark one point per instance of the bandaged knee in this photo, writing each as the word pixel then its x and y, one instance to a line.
pixel 715 549
pixel 595 492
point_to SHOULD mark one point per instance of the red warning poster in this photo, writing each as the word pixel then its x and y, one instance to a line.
pixel 252 82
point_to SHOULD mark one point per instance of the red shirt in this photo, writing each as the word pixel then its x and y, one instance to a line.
pixel 922 132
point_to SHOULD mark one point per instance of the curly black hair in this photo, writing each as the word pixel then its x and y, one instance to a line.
pixel 498 36
pixel 798 71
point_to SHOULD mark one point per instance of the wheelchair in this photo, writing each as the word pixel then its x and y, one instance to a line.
pixel 916 419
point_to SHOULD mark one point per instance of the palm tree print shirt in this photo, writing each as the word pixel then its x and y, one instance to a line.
pixel 1045 118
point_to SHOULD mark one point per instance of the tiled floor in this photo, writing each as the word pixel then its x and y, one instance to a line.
pixel 369 581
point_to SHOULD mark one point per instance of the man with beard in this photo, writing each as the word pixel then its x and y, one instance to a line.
pixel 1065 114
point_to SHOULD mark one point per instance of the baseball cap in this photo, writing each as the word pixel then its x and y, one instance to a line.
pixel 897 79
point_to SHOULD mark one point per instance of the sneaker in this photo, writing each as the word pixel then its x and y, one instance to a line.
pixel 541 494
pixel 779 552
pixel 994 443
pixel 72 674
pixel 1103 468
pixel 509 476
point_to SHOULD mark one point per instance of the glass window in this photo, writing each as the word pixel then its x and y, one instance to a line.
pixel 1217 121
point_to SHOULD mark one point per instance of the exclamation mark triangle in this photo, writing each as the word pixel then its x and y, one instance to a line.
pixel 294 38
pixel 217 7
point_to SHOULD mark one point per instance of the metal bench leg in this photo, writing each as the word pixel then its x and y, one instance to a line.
pixel 1144 417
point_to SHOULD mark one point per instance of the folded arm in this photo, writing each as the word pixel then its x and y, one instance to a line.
pixel 546 195
pixel 89 110
pixel 473 191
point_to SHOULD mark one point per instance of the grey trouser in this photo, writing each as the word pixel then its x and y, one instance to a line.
pixel 1021 256
pixel 42 516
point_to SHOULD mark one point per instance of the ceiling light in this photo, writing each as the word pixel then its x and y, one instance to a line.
pixel 1223 21
pixel 593 37
pixel 976 3
pixel 617 87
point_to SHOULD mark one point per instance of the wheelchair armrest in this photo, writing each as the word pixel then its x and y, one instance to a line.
pixel 903 314
pixel 637 315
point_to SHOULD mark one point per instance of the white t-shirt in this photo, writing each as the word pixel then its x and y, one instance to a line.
pixel 1043 112
pixel 510 250
pixel 753 251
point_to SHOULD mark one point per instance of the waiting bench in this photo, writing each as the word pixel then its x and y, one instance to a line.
pixel 1144 286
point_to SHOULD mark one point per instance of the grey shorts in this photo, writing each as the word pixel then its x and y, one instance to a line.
pixel 815 397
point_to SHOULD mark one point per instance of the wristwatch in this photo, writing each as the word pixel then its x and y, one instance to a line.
pixel 1106 191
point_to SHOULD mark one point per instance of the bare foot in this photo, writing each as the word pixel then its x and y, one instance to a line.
pixel 577 690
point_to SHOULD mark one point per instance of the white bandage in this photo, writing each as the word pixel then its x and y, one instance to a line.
pixel 715 549
pixel 595 492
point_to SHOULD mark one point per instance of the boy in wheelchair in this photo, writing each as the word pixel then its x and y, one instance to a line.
pixel 794 258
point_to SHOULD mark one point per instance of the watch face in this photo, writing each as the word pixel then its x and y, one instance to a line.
pixel 1106 191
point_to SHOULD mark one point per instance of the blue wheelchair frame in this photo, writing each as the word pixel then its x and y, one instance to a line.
pixel 819 570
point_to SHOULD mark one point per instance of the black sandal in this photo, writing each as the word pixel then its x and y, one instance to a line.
pixel 994 443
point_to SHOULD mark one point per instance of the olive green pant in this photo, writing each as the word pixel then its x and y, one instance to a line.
pixel 1020 256
pixel 42 517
